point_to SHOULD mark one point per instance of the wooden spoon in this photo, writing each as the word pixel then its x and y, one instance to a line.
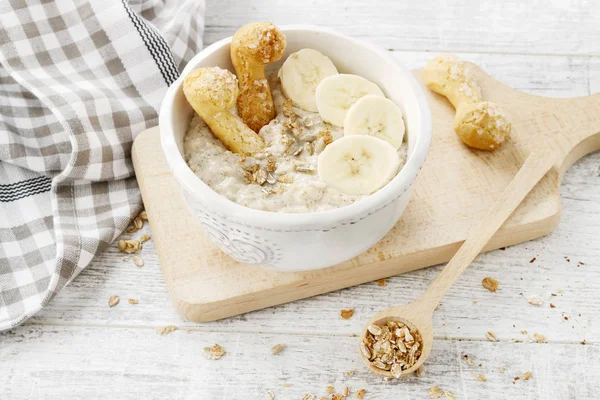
pixel 418 314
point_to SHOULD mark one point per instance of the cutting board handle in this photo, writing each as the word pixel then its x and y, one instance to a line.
pixel 571 125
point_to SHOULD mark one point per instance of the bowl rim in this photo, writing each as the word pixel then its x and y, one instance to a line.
pixel 282 221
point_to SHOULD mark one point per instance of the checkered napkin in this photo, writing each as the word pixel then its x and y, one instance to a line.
pixel 78 80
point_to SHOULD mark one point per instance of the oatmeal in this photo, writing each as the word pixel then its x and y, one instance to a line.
pixel 282 178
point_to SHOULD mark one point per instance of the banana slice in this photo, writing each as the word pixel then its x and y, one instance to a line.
pixel 301 73
pixel 337 93
pixel 358 164
pixel 375 116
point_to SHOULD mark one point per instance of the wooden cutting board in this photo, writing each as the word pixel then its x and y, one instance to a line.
pixel 453 190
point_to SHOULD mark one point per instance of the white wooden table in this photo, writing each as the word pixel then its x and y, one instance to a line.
pixel 78 347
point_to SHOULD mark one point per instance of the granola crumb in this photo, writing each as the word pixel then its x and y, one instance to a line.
pixel 129 246
pixel 133 301
pixel 490 336
pixel 270 395
pixel 137 260
pixel 501 369
pixel 113 301
pixel 347 313
pixel 381 282
pixel 360 394
pixel 552 305
pixel 165 330
pixel 392 347
pixel 278 348
pixel 435 392
pixel 532 260
pixel 144 238
pixel 286 385
pixel 527 375
pixel 350 373
pixel 330 389
pixel 523 332
pixel 535 300
pixel 490 284
pixel 468 359
pixel 214 352
pixel 539 338
pixel 481 378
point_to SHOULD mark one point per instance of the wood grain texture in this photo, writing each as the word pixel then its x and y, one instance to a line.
pixel 151 366
pixel 509 27
pixel 453 191
pixel 77 344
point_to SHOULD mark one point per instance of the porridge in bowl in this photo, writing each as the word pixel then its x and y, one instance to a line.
pixel 333 140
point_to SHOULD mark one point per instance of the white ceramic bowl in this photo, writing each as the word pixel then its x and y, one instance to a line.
pixel 287 241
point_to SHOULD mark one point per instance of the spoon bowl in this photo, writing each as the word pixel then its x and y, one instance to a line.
pixel 414 315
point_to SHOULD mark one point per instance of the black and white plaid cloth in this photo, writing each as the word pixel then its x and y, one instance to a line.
pixel 78 80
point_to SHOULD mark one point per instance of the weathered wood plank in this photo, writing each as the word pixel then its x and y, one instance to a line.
pixel 551 27
pixel 48 362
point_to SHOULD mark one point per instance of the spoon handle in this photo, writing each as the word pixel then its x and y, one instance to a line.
pixel 539 162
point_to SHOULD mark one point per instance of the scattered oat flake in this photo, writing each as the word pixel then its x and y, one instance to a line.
pixel 278 348
pixel 129 246
pixel 360 394
pixel 420 371
pixel 350 373
pixel 468 359
pixel 535 300
pixel 214 352
pixel 381 282
pixel 308 397
pixel 523 332
pixel 144 238
pixel 491 336
pixel 347 314
pixel 481 378
pixel 527 375
pixel 490 284
pixel 165 330
pixel 286 385
pixel 501 369
pixel 539 337
pixel 435 392
pixel 449 395
pixel 270 395
pixel 330 389
pixel 346 392
pixel 133 301
pixel 144 215
pixel 113 301
pixel 137 260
